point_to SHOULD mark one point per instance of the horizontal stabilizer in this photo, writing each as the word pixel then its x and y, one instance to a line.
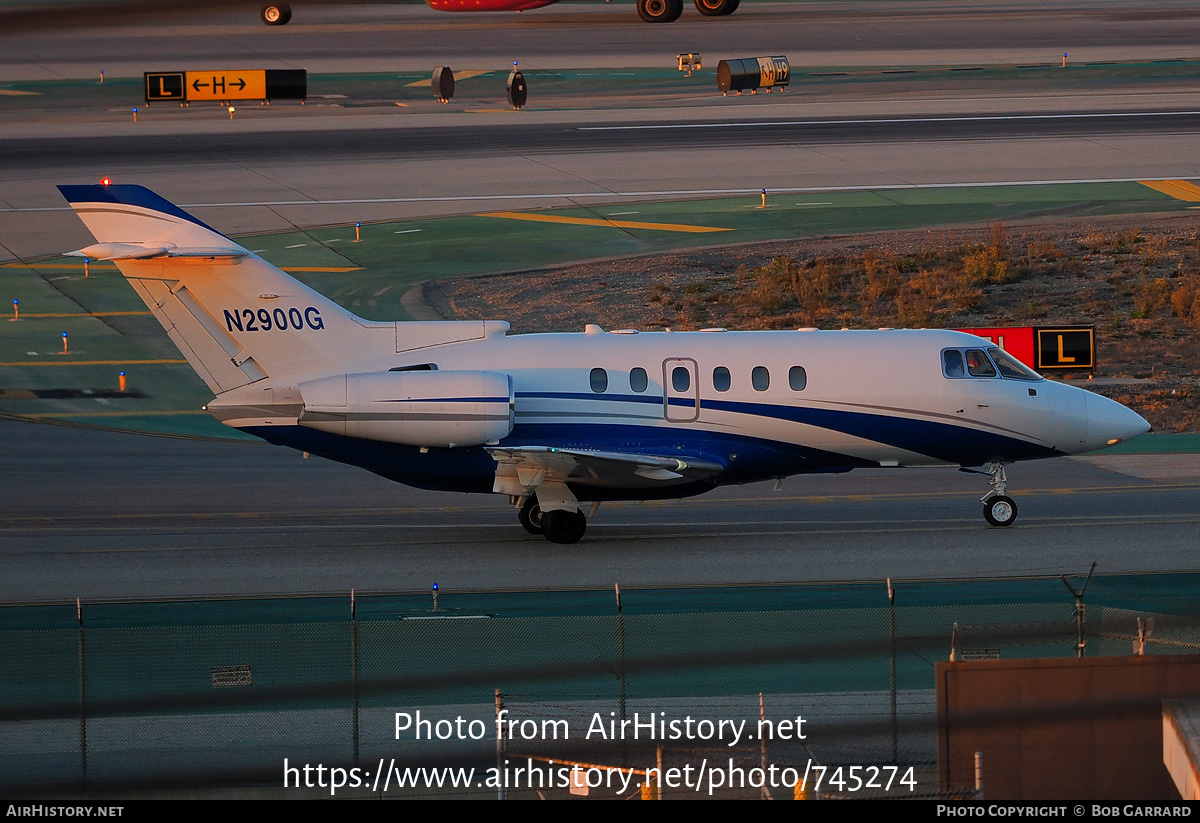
pixel 138 251
pixel 119 251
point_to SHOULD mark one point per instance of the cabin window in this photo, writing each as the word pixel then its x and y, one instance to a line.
pixel 721 381
pixel 760 378
pixel 599 379
pixel 952 363
pixel 637 380
pixel 681 379
pixel 978 364
pixel 797 378
pixel 1010 366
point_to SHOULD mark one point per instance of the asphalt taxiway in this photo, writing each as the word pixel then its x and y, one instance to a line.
pixel 102 515
pixel 350 37
pixel 97 515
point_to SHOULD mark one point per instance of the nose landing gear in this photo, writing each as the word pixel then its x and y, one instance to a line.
pixel 998 508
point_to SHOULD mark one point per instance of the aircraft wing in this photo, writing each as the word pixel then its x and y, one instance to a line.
pixel 534 465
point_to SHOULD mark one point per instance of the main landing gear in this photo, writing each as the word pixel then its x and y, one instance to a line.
pixel 998 508
pixel 530 516
pixel 557 526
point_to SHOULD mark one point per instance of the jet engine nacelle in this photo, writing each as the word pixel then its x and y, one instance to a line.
pixel 417 408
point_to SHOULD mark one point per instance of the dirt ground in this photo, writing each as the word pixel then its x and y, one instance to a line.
pixel 1135 277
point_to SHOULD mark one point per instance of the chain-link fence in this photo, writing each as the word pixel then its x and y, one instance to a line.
pixel 791 681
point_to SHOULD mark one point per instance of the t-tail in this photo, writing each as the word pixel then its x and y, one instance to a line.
pixel 234 316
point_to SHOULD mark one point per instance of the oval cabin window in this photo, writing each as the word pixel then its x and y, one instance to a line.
pixel 760 378
pixel 721 381
pixel 637 380
pixel 681 379
pixel 599 379
pixel 797 378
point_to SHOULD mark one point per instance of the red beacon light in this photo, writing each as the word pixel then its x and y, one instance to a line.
pixel 105 182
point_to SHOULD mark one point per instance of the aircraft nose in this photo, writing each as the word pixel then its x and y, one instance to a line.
pixel 1110 423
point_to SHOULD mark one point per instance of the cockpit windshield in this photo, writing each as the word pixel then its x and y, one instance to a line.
pixel 978 365
pixel 1010 366
pixel 994 362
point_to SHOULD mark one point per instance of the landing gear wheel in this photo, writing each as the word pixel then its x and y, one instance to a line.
pixel 276 15
pixel 1000 511
pixel 660 11
pixel 530 516
pixel 564 526
pixel 716 8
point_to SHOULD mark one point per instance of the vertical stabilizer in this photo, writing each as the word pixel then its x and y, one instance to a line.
pixel 234 316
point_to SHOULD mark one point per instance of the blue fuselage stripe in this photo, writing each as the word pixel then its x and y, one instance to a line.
pixel 946 442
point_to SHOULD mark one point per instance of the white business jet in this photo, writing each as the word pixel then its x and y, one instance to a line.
pixel 552 420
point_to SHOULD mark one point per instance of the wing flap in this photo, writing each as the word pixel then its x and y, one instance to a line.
pixel 531 466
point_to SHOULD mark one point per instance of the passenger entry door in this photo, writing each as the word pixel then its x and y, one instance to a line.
pixel 681 390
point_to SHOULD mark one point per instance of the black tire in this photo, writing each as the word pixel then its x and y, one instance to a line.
pixel 564 526
pixel 276 14
pixel 1000 511
pixel 732 6
pixel 715 8
pixel 660 11
pixel 530 516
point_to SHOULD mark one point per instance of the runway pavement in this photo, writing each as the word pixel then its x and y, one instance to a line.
pixel 398 163
pixel 278 192
pixel 102 515
pixel 383 36
pixel 98 515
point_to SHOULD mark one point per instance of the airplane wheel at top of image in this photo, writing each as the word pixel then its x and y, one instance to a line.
pixel 1000 511
pixel 276 15
pixel 561 526
pixel 717 8
pixel 660 11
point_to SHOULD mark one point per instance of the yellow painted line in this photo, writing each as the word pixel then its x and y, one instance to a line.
pixel 1179 189
pixel 591 221
pixel 90 314
pixel 15 93
pixel 173 412
pixel 92 363
pixel 458 75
